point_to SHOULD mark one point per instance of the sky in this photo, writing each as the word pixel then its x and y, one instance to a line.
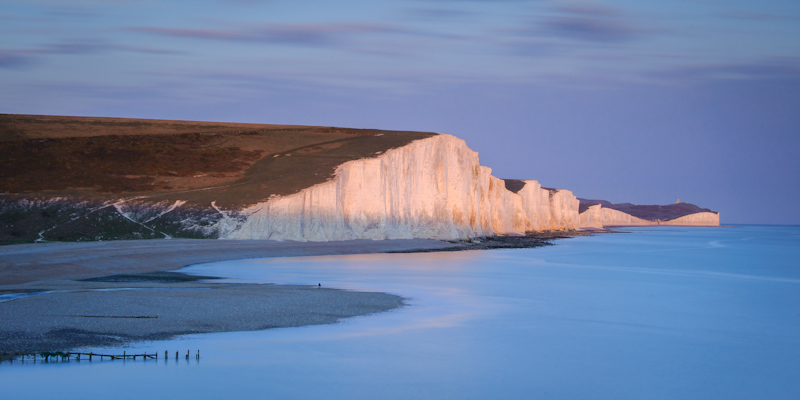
pixel 628 101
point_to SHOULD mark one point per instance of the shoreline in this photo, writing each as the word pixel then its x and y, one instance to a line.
pixel 117 315
pixel 22 264
pixel 112 293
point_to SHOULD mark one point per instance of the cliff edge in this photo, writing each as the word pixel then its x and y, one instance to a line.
pixel 86 178
pixel 431 188
pixel 601 213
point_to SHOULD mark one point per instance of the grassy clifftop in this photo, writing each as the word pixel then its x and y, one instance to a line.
pixel 232 164
pixel 87 178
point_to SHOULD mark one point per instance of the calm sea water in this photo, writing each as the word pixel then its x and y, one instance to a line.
pixel 654 313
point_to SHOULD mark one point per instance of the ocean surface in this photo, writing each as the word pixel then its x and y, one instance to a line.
pixel 648 313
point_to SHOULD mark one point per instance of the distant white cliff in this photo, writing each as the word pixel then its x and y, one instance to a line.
pixel 597 216
pixel 431 188
pixel 698 219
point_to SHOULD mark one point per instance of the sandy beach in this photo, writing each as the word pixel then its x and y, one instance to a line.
pixel 145 303
pixel 29 265
pixel 61 296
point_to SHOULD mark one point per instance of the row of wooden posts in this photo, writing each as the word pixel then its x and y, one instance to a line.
pixel 67 356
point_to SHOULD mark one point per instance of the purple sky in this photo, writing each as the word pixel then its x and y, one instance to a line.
pixel 628 101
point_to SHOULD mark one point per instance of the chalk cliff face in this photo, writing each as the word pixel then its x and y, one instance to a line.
pixel 430 188
pixel 699 219
pixel 597 216
pixel 147 179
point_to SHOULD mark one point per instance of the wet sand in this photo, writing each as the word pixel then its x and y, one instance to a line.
pixel 151 305
pixel 112 293
pixel 69 320
pixel 28 263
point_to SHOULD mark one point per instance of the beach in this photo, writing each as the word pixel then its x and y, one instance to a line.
pixel 117 292
pixel 66 295
pixel 28 266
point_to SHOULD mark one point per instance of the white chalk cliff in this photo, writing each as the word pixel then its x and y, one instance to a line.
pixel 408 185
pixel 597 216
pixel 698 219
pixel 430 188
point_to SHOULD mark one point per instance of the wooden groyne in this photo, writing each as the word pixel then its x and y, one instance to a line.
pixel 60 356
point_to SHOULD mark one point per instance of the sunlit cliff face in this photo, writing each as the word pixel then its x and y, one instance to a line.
pixel 301 183
pixel 598 216
pixel 431 188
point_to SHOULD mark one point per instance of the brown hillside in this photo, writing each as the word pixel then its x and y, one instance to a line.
pixel 233 164
pixel 16 126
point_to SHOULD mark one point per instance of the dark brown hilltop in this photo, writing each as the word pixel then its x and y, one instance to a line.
pixel 203 161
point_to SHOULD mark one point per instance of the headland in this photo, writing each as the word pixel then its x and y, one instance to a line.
pixel 138 199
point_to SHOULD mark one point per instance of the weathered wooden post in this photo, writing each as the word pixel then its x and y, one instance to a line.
pixel 187 354
pixel 198 354
pixel 176 355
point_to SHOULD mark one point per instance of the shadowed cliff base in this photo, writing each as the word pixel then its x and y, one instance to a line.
pixel 530 240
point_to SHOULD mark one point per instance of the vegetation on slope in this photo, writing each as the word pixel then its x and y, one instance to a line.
pixel 65 178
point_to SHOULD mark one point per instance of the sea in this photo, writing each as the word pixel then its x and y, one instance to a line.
pixel 643 313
